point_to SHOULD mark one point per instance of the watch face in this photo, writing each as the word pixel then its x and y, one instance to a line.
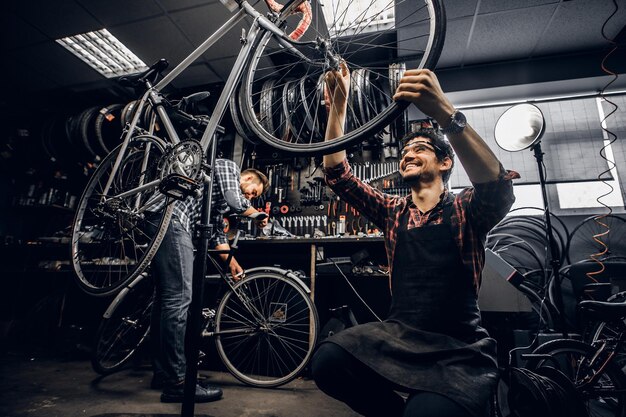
pixel 459 119
pixel 457 124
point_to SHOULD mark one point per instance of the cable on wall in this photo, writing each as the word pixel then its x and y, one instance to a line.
pixel 609 139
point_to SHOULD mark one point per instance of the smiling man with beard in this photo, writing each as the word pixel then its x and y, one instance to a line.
pixel 431 346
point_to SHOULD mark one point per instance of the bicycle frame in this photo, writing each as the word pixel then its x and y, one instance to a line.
pixel 606 349
pixel 153 97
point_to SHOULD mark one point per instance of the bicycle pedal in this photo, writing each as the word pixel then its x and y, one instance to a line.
pixel 201 356
pixel 208 313
pixel 179 187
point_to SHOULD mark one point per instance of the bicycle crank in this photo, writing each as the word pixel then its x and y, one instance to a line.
pixel 185 159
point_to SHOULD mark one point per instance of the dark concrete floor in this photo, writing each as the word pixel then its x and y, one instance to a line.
pixel 34 385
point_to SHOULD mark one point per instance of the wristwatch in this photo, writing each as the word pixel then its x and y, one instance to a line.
pixel 457 123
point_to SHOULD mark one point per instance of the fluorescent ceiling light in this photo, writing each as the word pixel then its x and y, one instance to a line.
pixel 104 53
pixel 346 17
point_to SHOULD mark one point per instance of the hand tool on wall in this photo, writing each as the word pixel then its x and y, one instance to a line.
pixel 300 225
pixel 306 220
pixel 270 176
pixel 341 225
pixel 289 221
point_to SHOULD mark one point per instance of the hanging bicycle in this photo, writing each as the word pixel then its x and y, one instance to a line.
pixel 111 239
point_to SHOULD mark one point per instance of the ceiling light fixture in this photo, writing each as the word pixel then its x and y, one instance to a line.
pixel 104 53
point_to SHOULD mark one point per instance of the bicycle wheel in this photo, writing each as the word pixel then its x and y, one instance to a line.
pixel 113 240
pixel 603 397
pixel 124 327
pixel 610 330
pixel 610 230
pixel 515 250
pixel 542 316
pixel 266 330
pixel 368 38
pixel 533 229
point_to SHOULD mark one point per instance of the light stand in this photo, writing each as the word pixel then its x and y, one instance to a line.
pixel 555 260
pixel 518 128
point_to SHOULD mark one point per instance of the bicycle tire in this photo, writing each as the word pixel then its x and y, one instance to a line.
pixel 124 328
pixel 541 308
pixel 48 138
pixel 572 361
pixel 109 127
pixel 87 132
pixel 355 49
pixel 534 229
pixel 282 327
pixel 553 217
pixel 127 112
pixel 611 329
pixel 581 242
pixel 236 117
pixel 504 243
pixel 113 243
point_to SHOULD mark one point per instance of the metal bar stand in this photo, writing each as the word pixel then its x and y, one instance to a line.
pixel 555 260
pixel 194 322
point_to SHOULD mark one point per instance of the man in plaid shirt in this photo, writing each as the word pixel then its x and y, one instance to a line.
pixel 172 268
pixel 431 346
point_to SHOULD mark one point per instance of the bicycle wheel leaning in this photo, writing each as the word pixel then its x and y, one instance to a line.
pixel 113 239
pixel 124 327
pixel 605 394
pixel 266 329
pixel 368 38
pixel 604 236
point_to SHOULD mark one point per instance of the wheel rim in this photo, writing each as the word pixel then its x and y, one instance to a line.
pixel 370 106
pixel 113 242
pixel 125 330
pixel 278 331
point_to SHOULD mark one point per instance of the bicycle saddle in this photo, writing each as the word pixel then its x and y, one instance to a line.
pixel 138 80
pixel 603 310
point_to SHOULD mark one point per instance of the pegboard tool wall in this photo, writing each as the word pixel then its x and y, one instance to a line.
pixel 305 206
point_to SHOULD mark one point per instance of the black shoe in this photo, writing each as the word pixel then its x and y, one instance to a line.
pixel 158 381
pixel 203 394
pixel 204 382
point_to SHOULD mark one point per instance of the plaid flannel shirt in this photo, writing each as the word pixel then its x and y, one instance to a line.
pixel 476 211
pixel 226 181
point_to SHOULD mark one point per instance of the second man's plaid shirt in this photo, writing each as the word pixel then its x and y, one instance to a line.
pixel 226 183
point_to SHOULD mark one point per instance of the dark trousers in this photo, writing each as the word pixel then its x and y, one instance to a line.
pixel 343 377
pixel 172 268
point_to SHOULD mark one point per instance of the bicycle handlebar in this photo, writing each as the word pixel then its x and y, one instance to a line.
pixel 291 7
pixel 304 8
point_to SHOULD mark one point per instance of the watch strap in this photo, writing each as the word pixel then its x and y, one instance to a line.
pixel 456 125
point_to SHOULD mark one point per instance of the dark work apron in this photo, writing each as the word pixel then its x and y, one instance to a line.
pixel 432 339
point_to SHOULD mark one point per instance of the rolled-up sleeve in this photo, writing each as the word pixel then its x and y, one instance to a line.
pixel 369 201
pixel 488 203
pixel 338 175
